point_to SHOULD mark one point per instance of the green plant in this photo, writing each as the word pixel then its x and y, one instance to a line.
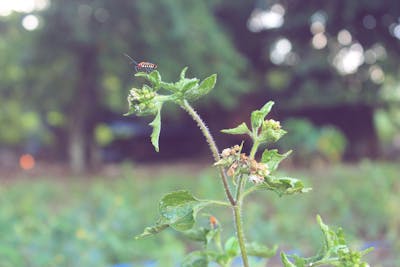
pixel 241 175
pixel 327 141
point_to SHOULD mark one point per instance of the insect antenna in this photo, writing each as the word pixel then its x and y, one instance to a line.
pixel 131 59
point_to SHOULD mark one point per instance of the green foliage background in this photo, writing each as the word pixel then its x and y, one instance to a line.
pixel 72 222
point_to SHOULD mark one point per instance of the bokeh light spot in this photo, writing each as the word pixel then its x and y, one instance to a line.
pixel 376 74
pixel 27 162
pixel 266 19
pixel 369 22
pixel 396 31
pixel 347 60
pixel 319 41
pixel 30 22
pixel 280 51
pixel 344 37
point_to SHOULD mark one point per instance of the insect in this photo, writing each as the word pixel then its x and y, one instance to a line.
pixel 213 222
pixel 142 66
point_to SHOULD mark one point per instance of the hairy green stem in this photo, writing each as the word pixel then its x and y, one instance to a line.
pixel 238 210
pixel 221 203
pixel 324 262
pixel 240 234
pixel 235 206
pixel 254 149
pixel 213 147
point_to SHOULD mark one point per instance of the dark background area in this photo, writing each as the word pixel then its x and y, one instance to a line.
pixel 64 78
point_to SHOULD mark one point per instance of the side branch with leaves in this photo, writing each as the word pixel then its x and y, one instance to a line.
pixel 241 175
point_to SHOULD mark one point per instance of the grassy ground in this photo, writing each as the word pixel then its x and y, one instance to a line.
pixel 68 221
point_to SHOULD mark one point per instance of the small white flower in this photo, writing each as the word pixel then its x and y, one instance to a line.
pixel 257 179
pixel 226 152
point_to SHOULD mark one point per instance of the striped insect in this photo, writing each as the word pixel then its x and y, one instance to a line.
pixel 142 66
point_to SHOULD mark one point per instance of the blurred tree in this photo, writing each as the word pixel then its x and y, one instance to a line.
pixel 79 62
pixel 20 122
pixel 323 59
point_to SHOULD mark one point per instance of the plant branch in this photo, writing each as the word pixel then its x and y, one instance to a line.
pixel 213 147
pixel 324 262
pixel 217 202
pixel 240 233
pixel 254 149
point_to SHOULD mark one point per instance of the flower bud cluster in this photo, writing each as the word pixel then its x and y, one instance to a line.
pixel 141 101
pixel 239 163
pixel 271 131
pixel 271 124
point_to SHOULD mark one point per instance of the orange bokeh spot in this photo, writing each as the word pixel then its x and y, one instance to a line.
pixel 26 162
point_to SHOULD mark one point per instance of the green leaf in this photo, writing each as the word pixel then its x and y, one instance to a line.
pixel 272 158
pixel 286 261
pixel 240 129
pixel 258 116
pixel 212 233
pixel 142 74
pixel 232 248
pixel 259 250
pixel 183 72
pixel 168 86
pixel 152 230
pixel 155 78
pixel 271 135
pixel 188 84
pixel 204 88
pixel 180 208
pixel 334 252
pixel 256 120
pixel 283 185
pixel 267 108
pixel 195 259
pixel 198 234
pixel 156 124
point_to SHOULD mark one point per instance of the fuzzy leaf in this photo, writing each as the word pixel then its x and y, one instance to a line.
pixel 256 120
pixel 188 84
pixel 198 234
pixel 180 208
pixel 142 74
pixel 271 135
pixel 286 261
pixel 258 116
pixel 232 247
pixel 240 129
pixel 334 252
pixel 283 185
pixel 272 158
pixel 152 230
pixel 183 72
pixel 267 108
pixel 195 259
pixel 156 124
pixel 259 250
pixel 155 78
pixel 204 88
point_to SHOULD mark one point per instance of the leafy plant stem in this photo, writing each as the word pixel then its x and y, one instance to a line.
pixel 213 147
pixel 239 188
pixel 217 202
pixel 254 149
pixel 240 234
pixel 218 242
pixel 325 262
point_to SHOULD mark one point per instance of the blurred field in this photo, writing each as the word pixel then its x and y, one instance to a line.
pixel 53 220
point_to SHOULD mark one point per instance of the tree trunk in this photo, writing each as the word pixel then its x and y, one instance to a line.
pixel 85 103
